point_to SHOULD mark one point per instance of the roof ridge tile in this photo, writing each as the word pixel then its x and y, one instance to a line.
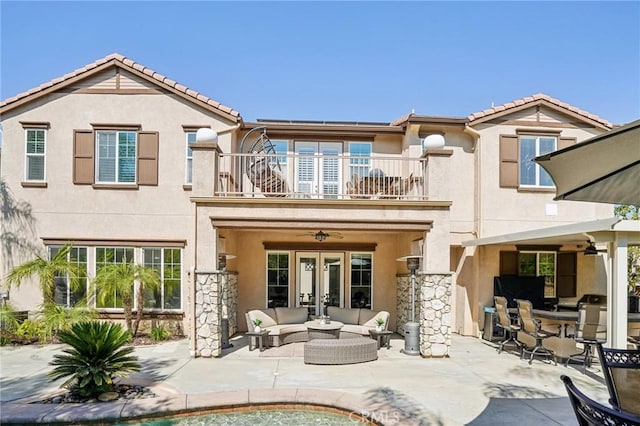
pixel 535 98
pixel 117 57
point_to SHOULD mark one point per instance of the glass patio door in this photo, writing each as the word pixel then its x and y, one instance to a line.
pixel 318 169
pixel 319 277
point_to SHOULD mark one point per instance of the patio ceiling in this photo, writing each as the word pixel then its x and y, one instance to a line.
pixel 617 233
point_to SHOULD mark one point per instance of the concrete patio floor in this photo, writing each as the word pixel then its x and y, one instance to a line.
pixel 474 386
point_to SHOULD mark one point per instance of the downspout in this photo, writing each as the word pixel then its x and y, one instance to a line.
pixel 475 135
pixel 477 152
pixel 230 129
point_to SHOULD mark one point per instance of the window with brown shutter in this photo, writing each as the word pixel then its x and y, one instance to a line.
pixel 508 263
pixel 564 142
pixel 148 158
pixel 565 275
pixel 566 283
pixel 84 157
pixel 509 161
pixel 83 164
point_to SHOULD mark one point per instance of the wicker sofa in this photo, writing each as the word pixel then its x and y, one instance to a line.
pixel 286 325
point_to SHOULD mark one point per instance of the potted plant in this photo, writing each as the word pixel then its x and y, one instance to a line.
pixel 256 323
pixel 380 324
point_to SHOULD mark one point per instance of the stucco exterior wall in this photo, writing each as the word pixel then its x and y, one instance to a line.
pixel 66 211
pixel 505 210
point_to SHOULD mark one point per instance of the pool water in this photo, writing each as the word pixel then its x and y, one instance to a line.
pixel 256 417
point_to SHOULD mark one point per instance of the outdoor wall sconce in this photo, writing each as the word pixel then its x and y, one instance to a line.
pixel 222 260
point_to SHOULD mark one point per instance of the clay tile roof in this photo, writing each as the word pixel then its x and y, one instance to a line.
pixel 125 63
pixel 539 97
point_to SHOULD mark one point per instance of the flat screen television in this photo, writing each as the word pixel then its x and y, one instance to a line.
pixel 516 287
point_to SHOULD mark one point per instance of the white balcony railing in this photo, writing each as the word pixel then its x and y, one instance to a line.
pixel 321 176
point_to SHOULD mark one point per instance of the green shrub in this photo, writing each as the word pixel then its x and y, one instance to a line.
pixel 159 333
pixel 57 318
pixel 31 330
pixel 97 356
pixel 9 323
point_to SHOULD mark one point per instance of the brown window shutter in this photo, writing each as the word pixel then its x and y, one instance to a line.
pixel 565 142
pixel 509 161
pixel 83 151
pixel 566 276
pixel 508 263
pixel 148 158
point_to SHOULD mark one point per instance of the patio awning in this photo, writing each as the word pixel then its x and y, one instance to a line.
pixel 617 233
pixel 603 169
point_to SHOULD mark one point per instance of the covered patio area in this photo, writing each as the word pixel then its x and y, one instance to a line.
pixel 614 235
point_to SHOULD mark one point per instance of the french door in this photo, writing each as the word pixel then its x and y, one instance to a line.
pixel 319 278
pixel 318 169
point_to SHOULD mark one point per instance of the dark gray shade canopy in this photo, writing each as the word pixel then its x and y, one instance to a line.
pixel 603 169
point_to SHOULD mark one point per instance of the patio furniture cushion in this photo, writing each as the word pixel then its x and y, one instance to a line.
pixel 292 315
pixel 344 315
pixel 372 322
pixel 280 329
pixel 366 315
pixel 267 316
pixel 356 329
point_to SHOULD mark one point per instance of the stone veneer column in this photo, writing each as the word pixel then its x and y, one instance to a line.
pixel 216 294
pixel 435 314
pixel 403 301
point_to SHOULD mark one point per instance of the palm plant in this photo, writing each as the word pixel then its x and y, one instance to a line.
pixel 9 323
pixel 119 279
pixel 56 318
pixel 47 270
pixel 97 356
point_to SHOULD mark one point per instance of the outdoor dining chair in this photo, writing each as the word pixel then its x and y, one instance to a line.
pixel 621 370
pixel 592 413
pixel 591 328
pixel 533 328
pixel 505 322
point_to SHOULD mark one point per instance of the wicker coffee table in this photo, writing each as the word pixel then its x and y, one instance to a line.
pixel 340 351
pixel 318 330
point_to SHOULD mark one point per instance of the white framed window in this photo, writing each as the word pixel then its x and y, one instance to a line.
pixel 116 156
pixel 532 174
pixel 35 147
pixel 277 279
pixel 112 255
pixel 539 264
pixel 65 292
pixel 168 263
pixel 361 293
pixel 282 149
pixel 191 138
pixel 359 159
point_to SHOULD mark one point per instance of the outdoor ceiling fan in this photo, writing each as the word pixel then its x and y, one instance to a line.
pixel 321 235
pixel 591 249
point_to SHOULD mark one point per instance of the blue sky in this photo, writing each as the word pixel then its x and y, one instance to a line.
pixel 356 61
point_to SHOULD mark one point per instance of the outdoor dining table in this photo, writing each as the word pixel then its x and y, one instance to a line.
pixel 564 344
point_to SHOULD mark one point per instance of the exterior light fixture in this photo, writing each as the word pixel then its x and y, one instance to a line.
pixel 206 134
pixel 432 142
pixel 222 260
pixel 320 236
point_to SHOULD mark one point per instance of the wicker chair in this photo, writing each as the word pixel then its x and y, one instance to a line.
pixel 533 328
pixel 262 165
pixel 504 321
pixel 591 413
pixel 621 370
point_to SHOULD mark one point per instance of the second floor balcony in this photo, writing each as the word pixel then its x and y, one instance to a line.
pixel 321 176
